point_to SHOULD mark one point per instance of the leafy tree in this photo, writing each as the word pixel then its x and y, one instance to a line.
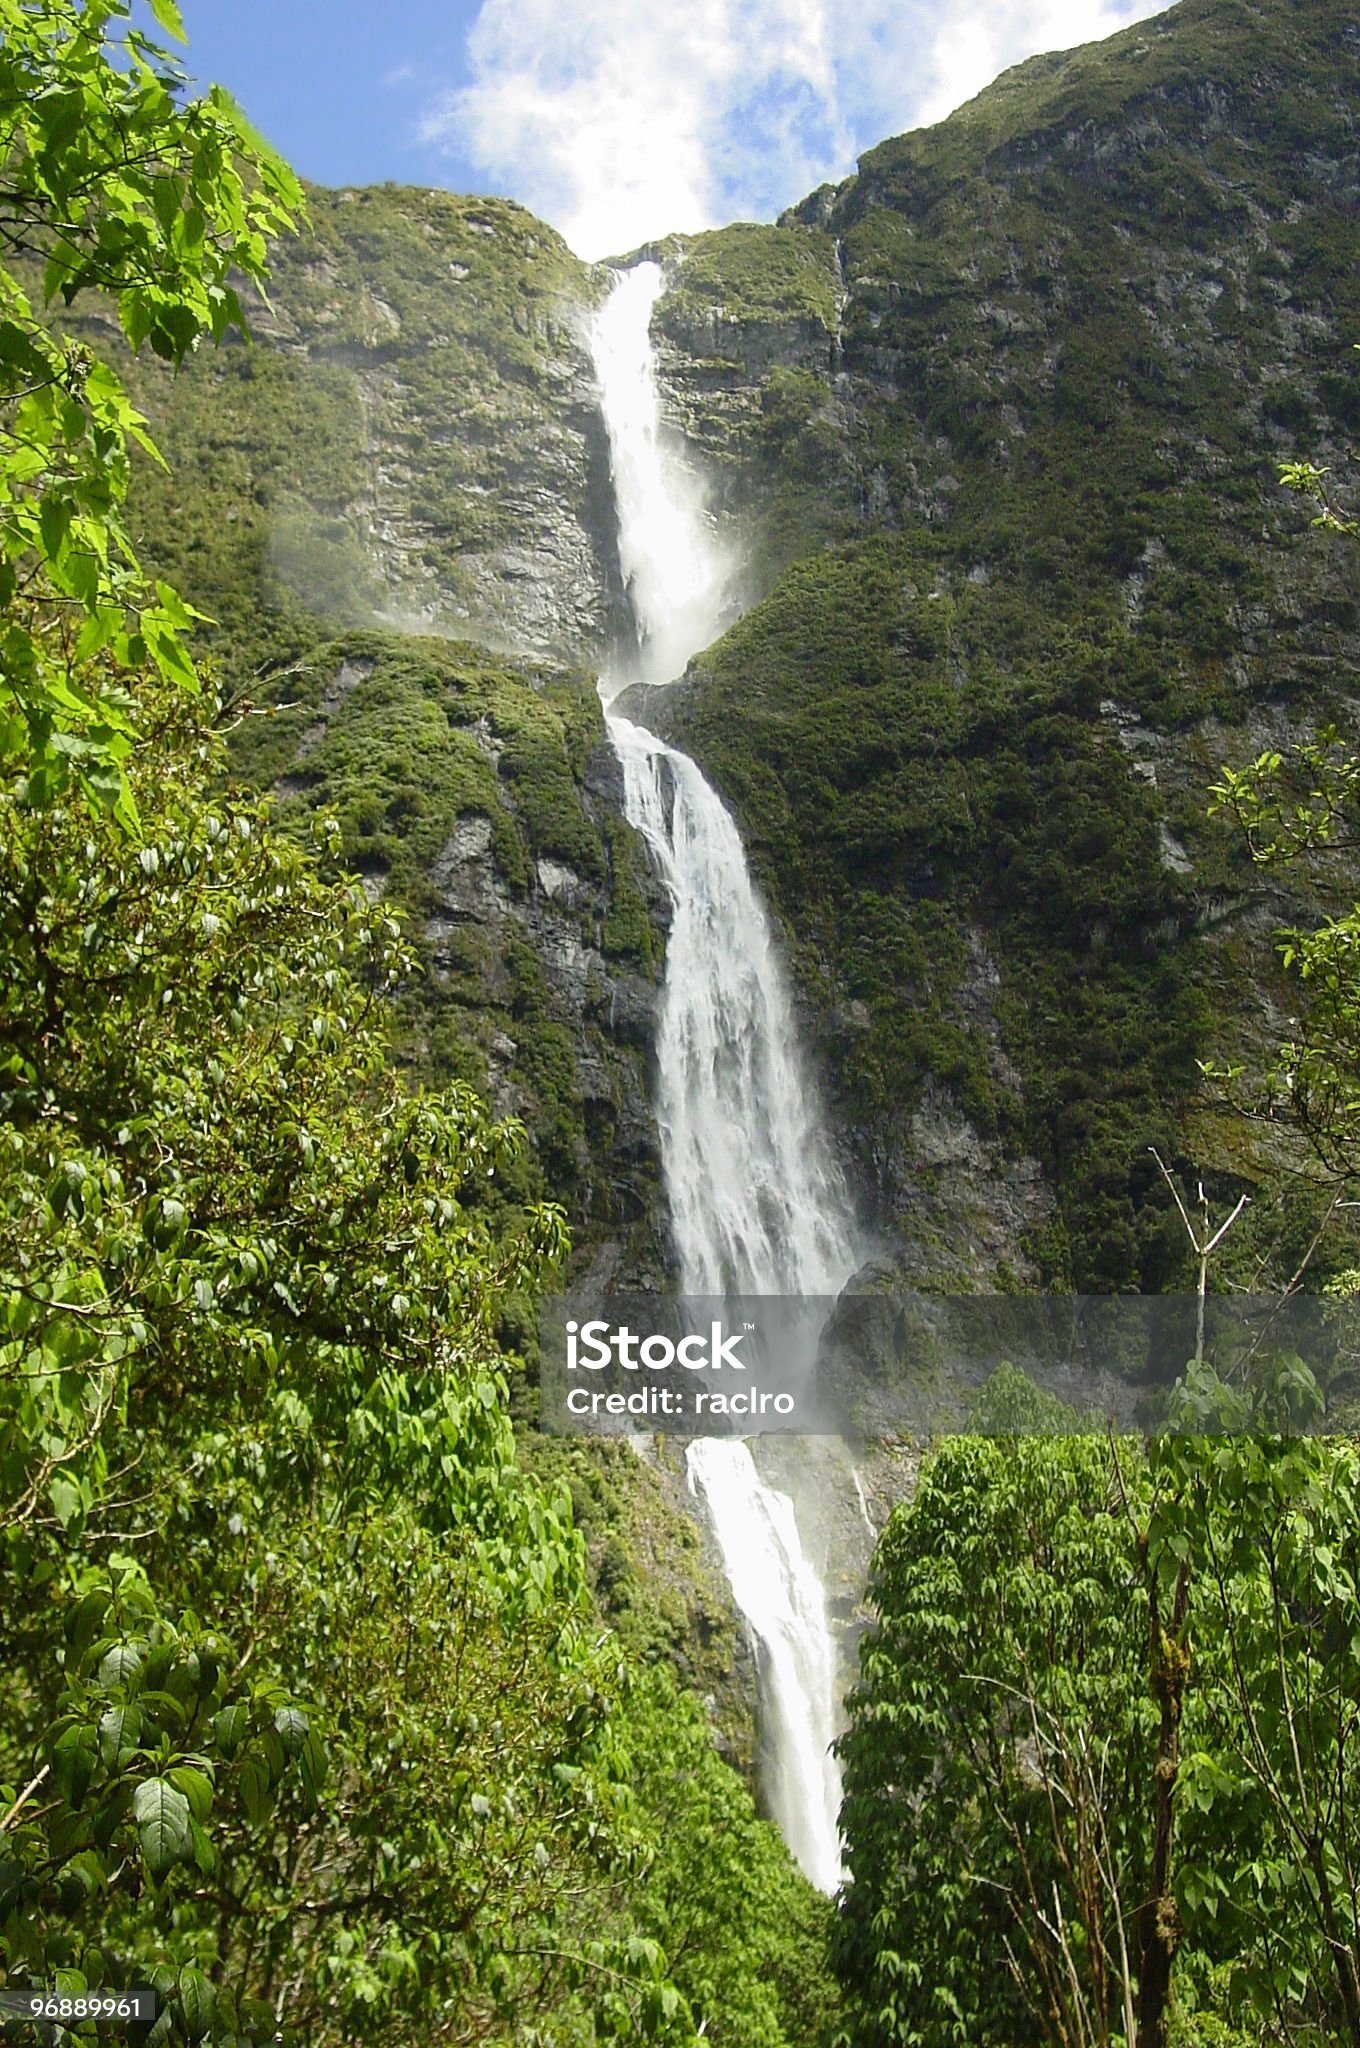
pixel 306 1716
pixel 999 1762
pixel 110 178
pixel 1268 1790
pixel 305 1712
pixel 1104 1740
pixel 745 1935
pixel 225 1227
pixel 1299 808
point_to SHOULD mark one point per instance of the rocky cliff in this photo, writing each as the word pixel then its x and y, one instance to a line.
pixel 481 800
pixel 995 426
pixel 1035 401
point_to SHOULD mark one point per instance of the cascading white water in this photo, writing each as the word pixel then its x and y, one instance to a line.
pixel 757 1209
pixel 757 1205
pixel 674 572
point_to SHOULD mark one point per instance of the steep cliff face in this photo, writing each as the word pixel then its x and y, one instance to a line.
pixel 747 336
pixel 481 800
pixel 415 441
pixel 1147 243
pixel 971 745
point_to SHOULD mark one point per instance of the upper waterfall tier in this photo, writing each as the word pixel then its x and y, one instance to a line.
pixel 675 572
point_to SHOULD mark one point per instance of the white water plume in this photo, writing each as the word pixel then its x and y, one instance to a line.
pixel 674 569
pixel 757 1208
pixel 756 1202
pixel 778 1591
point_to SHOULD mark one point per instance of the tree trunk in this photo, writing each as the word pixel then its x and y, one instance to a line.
pixel 1159 1926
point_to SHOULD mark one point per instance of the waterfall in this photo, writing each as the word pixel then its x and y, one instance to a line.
pixel 756 1202
pixel 671 566
pixel 756 1205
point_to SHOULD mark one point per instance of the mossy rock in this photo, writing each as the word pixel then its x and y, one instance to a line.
pixel 474 799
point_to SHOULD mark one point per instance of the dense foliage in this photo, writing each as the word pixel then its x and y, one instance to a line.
pixel 1104 1724
pixel 109 180
pixel 914 802
pixel 460 780
pixel 308 1717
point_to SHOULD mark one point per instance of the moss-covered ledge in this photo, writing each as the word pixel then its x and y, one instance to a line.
pixel 479 798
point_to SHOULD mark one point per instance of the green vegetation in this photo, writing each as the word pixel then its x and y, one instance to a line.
pixel 107 181
pixel 971 750
pixel 307 1714
pixel 403 391
pixel 664 1599
pixel 900 787
pixel 452 776
pixel 749 276
pixel 1076 1642
pixel 1104 1728
pixel 326 1704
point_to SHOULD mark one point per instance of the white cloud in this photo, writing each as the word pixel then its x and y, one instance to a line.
pixel 618 123
pixel 973 44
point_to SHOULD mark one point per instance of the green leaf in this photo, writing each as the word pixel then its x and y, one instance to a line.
pixel 168 654
pixel 74 1758
pixel 162 1815
pixel 82 1623
pixel 194 1993
pixel 170 19
pixel 313 1767
pixel 196 1786
pixel 229 1726
pixel 256 1788
pixel 293 1726
pixel 54 518
pixel 120 1665
pixel 120 1731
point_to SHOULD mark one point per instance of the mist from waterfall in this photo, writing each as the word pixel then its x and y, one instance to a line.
pixel 756 1202
pixel 674 569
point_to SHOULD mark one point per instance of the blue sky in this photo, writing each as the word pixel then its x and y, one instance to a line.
pixel 612 119
pixel 337 86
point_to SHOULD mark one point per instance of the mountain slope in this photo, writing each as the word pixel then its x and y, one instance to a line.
pixel 1081 322
pixel 995 426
